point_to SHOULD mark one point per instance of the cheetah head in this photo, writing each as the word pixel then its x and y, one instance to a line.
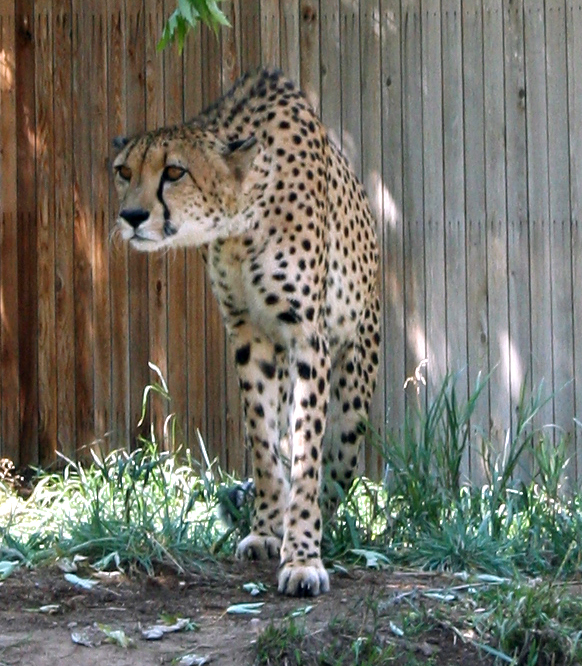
pixel 184 186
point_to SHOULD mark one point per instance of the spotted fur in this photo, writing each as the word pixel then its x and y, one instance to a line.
pixel 292 256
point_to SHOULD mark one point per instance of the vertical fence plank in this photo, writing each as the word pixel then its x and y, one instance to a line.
pixel 100 215
pixel 310 20
pixel 138 261
pixel 214 328
pixel 47 386
pixel 392 233
pixel 371 151
pixel 155 99
pixel 176 306
pixel 351 113
pixel 574 55
pixel 538 200
pixel 434 235
pixel 496 208
pixel 413 187
pixel 250 13
pixel 351 116
pixel 83 225
pixel 9 353
pixel 63 223
pixel 118 253
pixel 516 194
pixel 454 191
pixel 196 287
pixel 562 294
pixel 454 200
pixel 290 60
pixel 475 219
pixel 331 108
pixel 230 39
pixel 270 33
pixel 236 455
pixel 27 231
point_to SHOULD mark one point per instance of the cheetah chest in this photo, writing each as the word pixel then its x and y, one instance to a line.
pixel 240 294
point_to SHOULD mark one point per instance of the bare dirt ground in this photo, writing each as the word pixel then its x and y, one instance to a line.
pixel 31 637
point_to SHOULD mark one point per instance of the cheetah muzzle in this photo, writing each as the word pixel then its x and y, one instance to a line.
pixel 291 252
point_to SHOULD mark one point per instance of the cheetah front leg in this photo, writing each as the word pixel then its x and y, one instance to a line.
pixel 302 572
pixel 255 360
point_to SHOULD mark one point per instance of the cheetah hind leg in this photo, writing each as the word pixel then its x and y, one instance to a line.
pixel 352 384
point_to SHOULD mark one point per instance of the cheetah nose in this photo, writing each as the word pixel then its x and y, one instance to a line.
pixel 134 216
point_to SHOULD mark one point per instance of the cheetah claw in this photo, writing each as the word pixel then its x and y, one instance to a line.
pixel 303 580
pixel 258 547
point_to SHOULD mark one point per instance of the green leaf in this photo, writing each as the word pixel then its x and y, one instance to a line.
pixel 217 14
pixel 187 16
pixel 187 10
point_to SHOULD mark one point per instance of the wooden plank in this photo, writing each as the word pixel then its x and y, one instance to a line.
pixel 47 378
pixel 118 254
pixel 516 193
pixel 496 209
pixel 330 71
pixel 351 113
pixel 475 220
pixel 434 234
pixel 351 118
pixel 100 191
pixel 63 222
pixel 155 97
pixel 250 20
pixel 27 231
pixel 9 360
pixel 371 151
pixel 138 262
pixel 538 201
pixel 83 226
pixel 454 200
pixel 392 233
pixel 574 55
pixel 155 17
pixel 270 33
pixel 562 294
pixel 412 188
pixel 236 455
pixel 289 36
pixel 177 332
pixel 310 66
pixel 196 287
pixel 215 359
pixel 231 44
pixel 454 194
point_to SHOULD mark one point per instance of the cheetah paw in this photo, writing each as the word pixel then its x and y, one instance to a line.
pixel 303 580
pixel 257 547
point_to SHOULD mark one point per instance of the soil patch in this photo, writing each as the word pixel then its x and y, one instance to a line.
pixel 32 634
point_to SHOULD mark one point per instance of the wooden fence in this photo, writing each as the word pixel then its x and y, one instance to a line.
pixel 464 120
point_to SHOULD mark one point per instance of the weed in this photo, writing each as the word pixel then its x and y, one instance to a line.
pixel 531 623
pixel 141 509
pixel 280 644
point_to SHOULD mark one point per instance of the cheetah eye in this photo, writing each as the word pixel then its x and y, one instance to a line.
pixel 173 173
pixel 124 172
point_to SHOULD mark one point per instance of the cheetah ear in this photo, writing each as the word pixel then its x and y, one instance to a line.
pixel 240 155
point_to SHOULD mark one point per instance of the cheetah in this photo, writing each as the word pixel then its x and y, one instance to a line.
pixel 290 247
